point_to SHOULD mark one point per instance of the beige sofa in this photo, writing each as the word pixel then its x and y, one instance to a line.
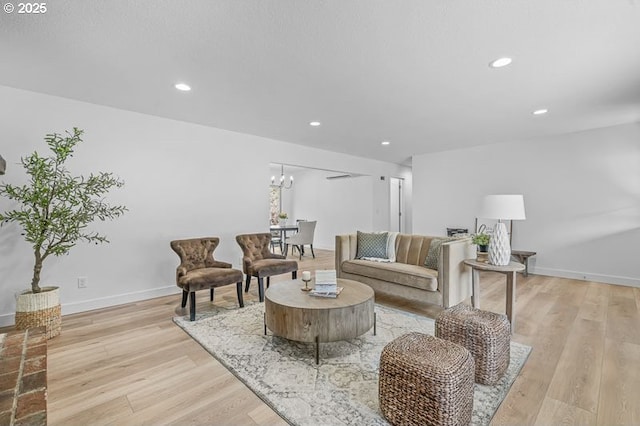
pixel 447 286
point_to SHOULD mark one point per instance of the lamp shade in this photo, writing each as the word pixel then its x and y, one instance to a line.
pixel 503 207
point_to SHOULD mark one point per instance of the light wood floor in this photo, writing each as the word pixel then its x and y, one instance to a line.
pixel 131 365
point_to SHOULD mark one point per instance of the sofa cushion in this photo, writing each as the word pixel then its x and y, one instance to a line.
pixel 372 244
pixel 398 273
pixel 269 267
pixel 198 279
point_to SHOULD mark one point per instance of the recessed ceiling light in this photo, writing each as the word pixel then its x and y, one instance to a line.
pixel 500 62
pixel 314 123
pixel 183 87
pixel 540 111
pixel 386 143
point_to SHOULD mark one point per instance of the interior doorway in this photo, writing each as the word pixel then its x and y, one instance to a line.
pixel 396 207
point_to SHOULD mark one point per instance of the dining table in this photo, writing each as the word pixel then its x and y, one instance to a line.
pixel 283 229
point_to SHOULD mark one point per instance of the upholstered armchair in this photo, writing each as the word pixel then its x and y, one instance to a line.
pixel 259 262
pixel 198 270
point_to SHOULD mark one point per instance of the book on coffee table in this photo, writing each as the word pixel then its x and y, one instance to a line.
pixel 330 294
pixel 326 282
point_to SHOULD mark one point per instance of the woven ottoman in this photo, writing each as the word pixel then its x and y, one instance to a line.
pixel 486 335
pixel 425 380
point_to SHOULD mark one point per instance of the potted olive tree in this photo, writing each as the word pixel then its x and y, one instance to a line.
pixel 55 209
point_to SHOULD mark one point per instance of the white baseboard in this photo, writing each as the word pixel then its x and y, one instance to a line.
pixel 586 276
pixel 103 302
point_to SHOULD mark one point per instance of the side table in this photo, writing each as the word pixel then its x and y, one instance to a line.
pixel 509 270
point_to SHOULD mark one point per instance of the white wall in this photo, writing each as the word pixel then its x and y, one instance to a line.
pixel 581 192
pixel 382 203
pixel 182 180
pixel 340 206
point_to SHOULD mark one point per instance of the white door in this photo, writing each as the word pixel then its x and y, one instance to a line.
pixel 396 221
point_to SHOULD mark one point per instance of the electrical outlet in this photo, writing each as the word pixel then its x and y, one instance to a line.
pixel 82 282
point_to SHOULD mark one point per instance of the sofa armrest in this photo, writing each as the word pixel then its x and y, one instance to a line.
pixel 455 279
pixel 346 248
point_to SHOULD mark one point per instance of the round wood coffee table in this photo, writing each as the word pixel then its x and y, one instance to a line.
pixel 296 315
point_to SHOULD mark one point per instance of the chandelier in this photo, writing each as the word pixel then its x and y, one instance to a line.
pixel 281 184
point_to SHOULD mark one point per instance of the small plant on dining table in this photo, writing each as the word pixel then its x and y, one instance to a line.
pixel 283 215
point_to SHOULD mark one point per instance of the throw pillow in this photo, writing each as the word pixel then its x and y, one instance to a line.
pixel 391 250
pixel 391 246
pixel 372 244
pixel 431 261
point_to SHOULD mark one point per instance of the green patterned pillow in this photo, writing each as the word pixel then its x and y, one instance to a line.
pixel 372 244
pixel 431 261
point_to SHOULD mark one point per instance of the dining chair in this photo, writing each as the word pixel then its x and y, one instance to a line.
pixel 306 231
pixel 276 240
pixel 198 270
pixel 259 262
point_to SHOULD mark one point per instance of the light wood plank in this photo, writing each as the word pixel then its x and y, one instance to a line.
pixel 576 380
pixel 555 412
pixel 623 318
pixel 620 390
pixel 188 402
pixel 63 407
pixel 106 371
pixel 116 410
pixel 596 303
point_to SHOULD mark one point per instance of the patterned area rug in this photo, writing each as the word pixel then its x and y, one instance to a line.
pixel 343 388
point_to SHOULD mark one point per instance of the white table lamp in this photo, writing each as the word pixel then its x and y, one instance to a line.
pixel 501 207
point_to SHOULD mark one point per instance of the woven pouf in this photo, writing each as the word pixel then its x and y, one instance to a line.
pixel 486 335
pixel 425 380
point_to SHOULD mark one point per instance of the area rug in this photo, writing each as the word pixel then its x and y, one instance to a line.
pixel 343 388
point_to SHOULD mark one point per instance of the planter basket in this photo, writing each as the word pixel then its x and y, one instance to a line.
pixel 38 310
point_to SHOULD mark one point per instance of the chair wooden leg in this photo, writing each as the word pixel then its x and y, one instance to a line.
pixel 185 295
pixel 239 291
pixel 286 249
pixel 268 281
pixel 211 292
pixel 246 286
pixel 294 275
pixel 312 253
pixel 192 306
pixel 260 289
pixel 300 251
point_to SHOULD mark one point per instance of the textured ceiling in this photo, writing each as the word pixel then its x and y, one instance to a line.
pixel 414 72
